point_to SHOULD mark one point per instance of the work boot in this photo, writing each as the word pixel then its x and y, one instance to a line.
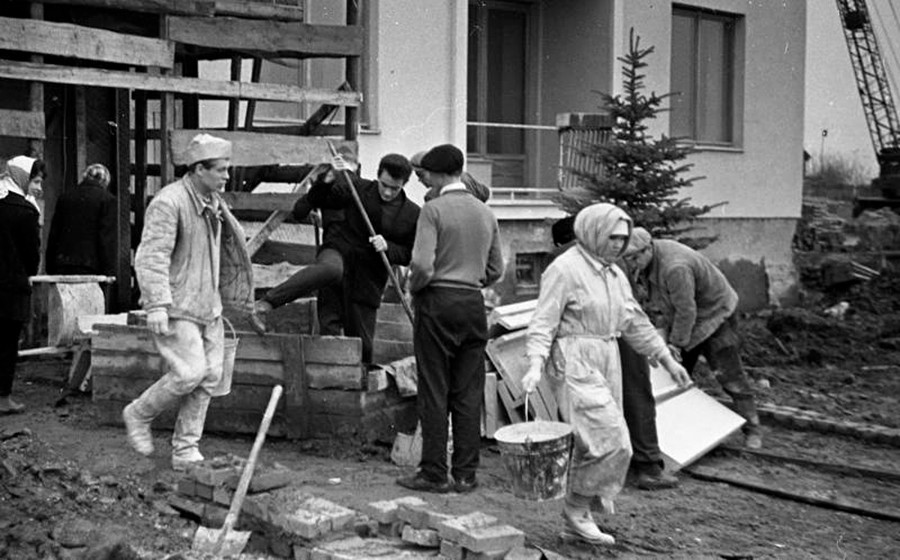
pixel 753 440
pixel 189 428
pixel 580 525
pixel 137 431
pixel 746 407
pixel 420 483
pixel 258 316
pixel 465 485
pixel 660 480
pixel 186 460
pixel 9 406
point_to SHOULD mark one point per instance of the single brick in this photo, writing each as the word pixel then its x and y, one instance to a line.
pixel 186 505
pixel 452 550
pixel 222 495
pixel 263 480
pixel 338 516
pixel 393 530
pixel 524 553
pixel 491 555
pixel 319 554
pixel 422 537
pixel 185 486
pixel 204 491
pixel 493 538
pixel 417 516
pixel 454 528
pixel 386 511
pixel 217 470
pixel 436 518
pixel 302 552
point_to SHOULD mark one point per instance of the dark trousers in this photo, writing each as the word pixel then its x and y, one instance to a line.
pixel 722 351
pixel 339 314
pixel 639 409
pixel 327 270
pixel 9 353
pixel 450 334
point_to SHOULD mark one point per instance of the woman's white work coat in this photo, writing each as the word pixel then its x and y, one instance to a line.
pixel 583 306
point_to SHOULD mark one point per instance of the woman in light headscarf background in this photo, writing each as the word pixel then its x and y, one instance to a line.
pixel 585 304
pixel 20 246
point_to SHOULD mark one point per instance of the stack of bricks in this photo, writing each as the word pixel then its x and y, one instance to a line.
pixel 475 536
pixel 287 522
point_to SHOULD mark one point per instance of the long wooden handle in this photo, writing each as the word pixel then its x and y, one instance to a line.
pixel 365 216
pixel 238 500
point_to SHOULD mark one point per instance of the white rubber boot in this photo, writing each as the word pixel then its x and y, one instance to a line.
pixel 581 525
pixel 189 429
pixel 140 413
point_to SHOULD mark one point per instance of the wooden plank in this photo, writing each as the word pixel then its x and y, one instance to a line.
pixel 491 404
pixel 70 279
pixel 22 124
pixel 218 420
pixel 386 351
pixel 241 397
pixel 393 330
pixel 349 403
pixel 332 350
pixel 208 8
pixel 253 148
pixel 277 217
pixel 296 393
pixel 333 376
pixel 86 43
pixel 267 202
pixel 287 39
pixel 150 366
pixel 512 411
pixel 53 73
pixel 392 312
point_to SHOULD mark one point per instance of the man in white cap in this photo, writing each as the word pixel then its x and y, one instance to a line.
pixel 192 261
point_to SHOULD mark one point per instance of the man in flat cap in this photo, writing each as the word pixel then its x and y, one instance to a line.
pixel 481 191
pixel 192 261
pixel 457 253
pixel 348 269
pixel 697 308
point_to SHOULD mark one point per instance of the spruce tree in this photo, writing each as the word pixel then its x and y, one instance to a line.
pixel 640 174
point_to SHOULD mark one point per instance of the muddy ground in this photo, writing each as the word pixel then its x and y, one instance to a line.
pixel 67 482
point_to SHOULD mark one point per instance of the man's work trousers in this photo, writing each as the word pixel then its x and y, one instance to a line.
pixel 639 409
pixel 722 352
pixel 339 314
pixel 9 353
pixel 450 334
pixel 327 270
pixel 193 355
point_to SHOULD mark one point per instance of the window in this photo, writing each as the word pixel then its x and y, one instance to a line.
pixel 529 267
pixel 498 34
pixel 703 76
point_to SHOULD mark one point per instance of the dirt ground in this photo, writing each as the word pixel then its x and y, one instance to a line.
pixel 66 480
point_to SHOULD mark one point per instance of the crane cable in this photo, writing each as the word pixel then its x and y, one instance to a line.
pixel 887 40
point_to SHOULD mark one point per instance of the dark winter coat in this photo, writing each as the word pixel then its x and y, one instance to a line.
pixel 365 275
pixel 20 255
pixel 82 237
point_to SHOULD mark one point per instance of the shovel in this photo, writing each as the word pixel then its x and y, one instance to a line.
pixel 225 541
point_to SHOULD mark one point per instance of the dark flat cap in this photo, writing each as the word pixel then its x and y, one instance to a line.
pixel 446 159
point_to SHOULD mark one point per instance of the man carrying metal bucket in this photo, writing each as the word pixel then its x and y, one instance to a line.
pixel 585 305
pixel 191 261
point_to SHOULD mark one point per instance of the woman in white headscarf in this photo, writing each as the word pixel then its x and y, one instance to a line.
pixel 20 243
pixel 585 304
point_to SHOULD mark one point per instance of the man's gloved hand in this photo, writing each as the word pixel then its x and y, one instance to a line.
pixel 676 352
pixel 379 243
pixel 340 164
pixel 158 320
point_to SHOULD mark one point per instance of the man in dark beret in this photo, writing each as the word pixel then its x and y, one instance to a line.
pixel 456 254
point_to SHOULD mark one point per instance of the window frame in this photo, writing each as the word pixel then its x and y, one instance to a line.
pixel 734 55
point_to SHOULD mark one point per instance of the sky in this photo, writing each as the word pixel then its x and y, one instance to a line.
pixel 832 102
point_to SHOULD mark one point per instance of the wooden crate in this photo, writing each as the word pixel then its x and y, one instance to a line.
pixel 325 383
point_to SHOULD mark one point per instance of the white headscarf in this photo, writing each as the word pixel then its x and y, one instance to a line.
pixel 17 176
pixel 593 226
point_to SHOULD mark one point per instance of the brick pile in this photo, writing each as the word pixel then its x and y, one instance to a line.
pixel 289 523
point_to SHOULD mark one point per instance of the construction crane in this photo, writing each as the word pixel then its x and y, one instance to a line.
pixel 877 101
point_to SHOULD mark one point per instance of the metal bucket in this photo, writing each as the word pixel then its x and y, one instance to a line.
pixel 229 352
pixel 536 457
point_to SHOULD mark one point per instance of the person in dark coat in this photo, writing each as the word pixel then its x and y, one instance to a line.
pixel 348 258
pixel 84 227
pixel 20 255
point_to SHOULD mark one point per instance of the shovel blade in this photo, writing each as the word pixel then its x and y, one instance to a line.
pixel 206 540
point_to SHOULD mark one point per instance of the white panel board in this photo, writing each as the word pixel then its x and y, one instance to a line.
pixel 690 424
